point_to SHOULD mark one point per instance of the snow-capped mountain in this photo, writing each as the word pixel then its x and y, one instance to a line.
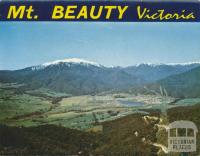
pixel 67 62
pixel 74 76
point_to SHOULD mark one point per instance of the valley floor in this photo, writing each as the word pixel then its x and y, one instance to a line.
pixel 134 119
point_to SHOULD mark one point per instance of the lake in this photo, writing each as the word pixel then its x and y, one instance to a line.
pixel 130 103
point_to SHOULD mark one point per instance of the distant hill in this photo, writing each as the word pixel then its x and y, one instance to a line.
pixel 183 85
pixel 153 72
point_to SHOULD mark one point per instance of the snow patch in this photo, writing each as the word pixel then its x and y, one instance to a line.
pixel 37 67
pixel 72 61
pixel 167 64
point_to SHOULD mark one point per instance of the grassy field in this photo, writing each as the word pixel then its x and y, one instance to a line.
pixel 14 106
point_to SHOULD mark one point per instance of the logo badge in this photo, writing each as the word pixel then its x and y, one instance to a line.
pixel 182 136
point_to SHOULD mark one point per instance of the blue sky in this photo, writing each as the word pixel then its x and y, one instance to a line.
pixel 110 44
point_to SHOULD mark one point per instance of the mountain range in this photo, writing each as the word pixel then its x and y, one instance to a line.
pixel 78 76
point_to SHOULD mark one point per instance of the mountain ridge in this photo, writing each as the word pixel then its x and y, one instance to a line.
pixel 78 76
